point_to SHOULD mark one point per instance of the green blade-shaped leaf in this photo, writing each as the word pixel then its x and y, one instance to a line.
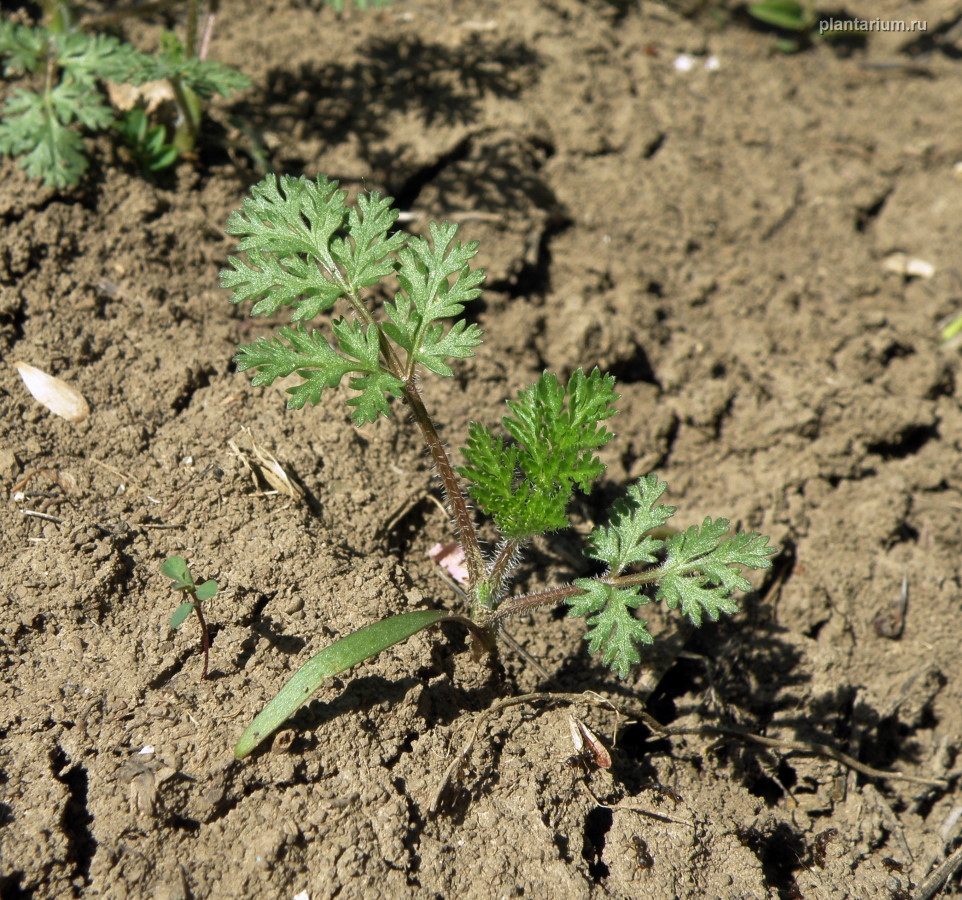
pixel 175 568
pixel 787 14
pixel 339 656
pixel 180 614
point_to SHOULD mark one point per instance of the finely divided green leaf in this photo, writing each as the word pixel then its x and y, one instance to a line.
pixel 275 282
pixel 700 571
pixel 626 540
pixel 52 151
pixel 613 631
pixel 305 248
pixel 426 267
pixel 36 125
pixel 321 366
pixel 23 47
pixel 89 58
pixel 366 257
pixel 202 76
pixel 74 101
pixel 286 230
pixel 295 350
pixel 436 281
pixel 371 400
pixel 526 486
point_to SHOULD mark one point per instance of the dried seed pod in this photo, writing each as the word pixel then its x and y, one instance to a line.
pixel 588 744
pixel 60 398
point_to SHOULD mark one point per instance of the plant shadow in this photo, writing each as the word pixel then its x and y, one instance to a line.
pixel 360 100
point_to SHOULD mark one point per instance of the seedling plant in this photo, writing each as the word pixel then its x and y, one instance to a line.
pixel 306 249
pixel 45 127
pixel 799 20
pixel 175 568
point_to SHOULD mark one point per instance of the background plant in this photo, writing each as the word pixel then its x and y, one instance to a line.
pixel 798 20
pixel 175 568
pixel 45 126
pixel 306 250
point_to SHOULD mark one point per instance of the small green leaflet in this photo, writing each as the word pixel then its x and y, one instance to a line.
pixel 526 485
pixel 175 568
pixel 613 631
pixel 180 614
pixel 22 47
pixel 626 541
pixel 366 257
pixel 314 360
pixel 429 294
pixel 699 572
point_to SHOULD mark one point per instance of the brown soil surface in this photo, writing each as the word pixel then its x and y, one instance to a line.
pixel 717 239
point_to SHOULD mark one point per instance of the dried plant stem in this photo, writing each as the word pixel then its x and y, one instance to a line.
pixel 813 748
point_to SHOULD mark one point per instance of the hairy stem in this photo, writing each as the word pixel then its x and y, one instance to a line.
pixel 517 605
pixel 452 487
pixel 503 563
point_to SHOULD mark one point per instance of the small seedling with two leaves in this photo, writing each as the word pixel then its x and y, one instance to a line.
pixel 306 249
pixel 175 568
pixel 799 22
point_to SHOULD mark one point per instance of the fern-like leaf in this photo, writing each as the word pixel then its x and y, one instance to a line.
pixel 701 569
pixel 367 255
pixel 526 486
pixel 22 47
pixel 203 76
pixel 626 540
pixel 436 281
pixel 613 631
pixel 699 572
